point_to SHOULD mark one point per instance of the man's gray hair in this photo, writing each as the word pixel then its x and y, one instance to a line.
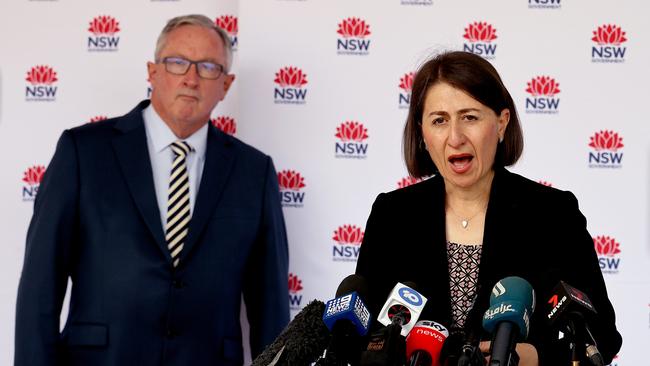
pixel 198 20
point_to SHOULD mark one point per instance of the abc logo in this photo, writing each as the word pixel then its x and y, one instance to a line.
pixel 410 296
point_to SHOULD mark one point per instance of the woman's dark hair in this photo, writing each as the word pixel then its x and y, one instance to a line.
pixel 476 77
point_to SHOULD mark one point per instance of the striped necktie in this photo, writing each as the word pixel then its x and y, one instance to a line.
pixel 178 201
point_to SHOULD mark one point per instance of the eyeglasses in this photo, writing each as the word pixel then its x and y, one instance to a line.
pixel 180 66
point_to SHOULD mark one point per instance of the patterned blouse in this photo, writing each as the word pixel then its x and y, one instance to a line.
pixel 463 276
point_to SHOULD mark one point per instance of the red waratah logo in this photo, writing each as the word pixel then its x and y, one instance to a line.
pixel 97 119
pixel 348 234
pixel 543 86
pixel 351 131
pixel 104 25
pixel 480 32
pixel 225 124
pixel 609 34
pixel 290 76
pixel 228 23
pixel 289 179
pixel 406 82
pixel 606 140
pixel 407 181
pixel 34 175
pixel 545 183
pixel 41 75
pixel 295 284
pixel 353 28
pixel 606 246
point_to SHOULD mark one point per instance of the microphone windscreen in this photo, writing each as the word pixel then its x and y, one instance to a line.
pixel 353 283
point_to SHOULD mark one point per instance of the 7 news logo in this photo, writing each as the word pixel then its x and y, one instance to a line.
pixel 103 38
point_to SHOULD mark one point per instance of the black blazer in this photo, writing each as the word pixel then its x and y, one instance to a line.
pixel 532 231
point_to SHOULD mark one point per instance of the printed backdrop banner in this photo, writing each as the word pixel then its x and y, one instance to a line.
pixel 324 88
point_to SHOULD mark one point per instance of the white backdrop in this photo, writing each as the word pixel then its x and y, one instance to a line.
pixel 323 88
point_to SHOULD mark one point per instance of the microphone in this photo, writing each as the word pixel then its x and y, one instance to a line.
pixel 424 343
pixel 570 309
pixel 301 341
pixel 512 303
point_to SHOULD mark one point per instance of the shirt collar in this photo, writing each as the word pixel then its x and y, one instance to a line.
pixel 162 136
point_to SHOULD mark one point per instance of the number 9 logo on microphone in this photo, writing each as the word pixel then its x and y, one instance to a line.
pixel 410 296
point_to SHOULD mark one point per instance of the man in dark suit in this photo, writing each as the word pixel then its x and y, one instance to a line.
pixel 161 222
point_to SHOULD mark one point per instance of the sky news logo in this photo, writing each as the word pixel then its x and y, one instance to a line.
pixel 542 98
pixel 353 37
pixel 32 178
pixel 605 150
pixel 41 88
pixel 229 23
pixel 347 243
pixel 608 250
pixel 480 37
pixel 351 144
pixel 291 184
pixel 608 49
pixel 544 4
pixel 407 181
pixel 405 86
pixel 103 39
pixel 290 88
pixel 295 289
pixel 226 124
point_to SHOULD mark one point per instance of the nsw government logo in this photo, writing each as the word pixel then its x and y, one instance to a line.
pixel 542 99
pixel 226 124
pixel 608 251
pixel 608 48
pixel 295 287
pixel 417 2
pixel 42 89
pixel 97 119
pixel 406 85
pixel 103 38
pixel 347 244
pixel 352 37
pixel 32 180
pixel 544 4
pixel 230 25
pixel 480 36
pixel 407 181
pixel 291 184
pixel 290 88
pixel 605 154
pixel 351 143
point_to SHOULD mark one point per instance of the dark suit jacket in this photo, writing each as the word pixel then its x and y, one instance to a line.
pixel 96 221
pixel 531 231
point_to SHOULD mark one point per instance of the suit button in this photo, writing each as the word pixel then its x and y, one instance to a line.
pixel 178 284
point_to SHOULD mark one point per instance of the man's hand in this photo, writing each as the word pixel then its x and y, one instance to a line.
pixel 526 351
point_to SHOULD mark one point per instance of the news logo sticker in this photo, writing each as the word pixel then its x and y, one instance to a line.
pixel 407 181
pixel 295 289
pixel 290 86
pixel 40 87
pixel 291 188
pixel 103 38
pixel 405 86
pixel 225 124
pixel 32 180
pixel 608 250
pixel 480 38
pixel 410 296
pixel 351 141
pixel 97 118
pixel 608 48
pixel 542 97
pixel 353 37
pixel 544 4
pixel 605 153
pixel 347 243
pixel 229 23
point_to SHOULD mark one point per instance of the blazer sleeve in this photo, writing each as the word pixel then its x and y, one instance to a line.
pixel 266 278
pixel 49 248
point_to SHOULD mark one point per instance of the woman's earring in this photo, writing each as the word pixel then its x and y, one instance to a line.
pixel 500 139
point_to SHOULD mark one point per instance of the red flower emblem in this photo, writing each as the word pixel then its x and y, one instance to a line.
pixel 228 23
pixel 545 183
pixel 348 234
pixel 290 179
pixel 543 85
pixel 480 32
pixel 407 181
pixel 290 76
pixel 351 131
pixel 97 119
pixel 406 82
pixel 41 74
pixel 295 284
pixel 606 246
pixel 225 124
pixel 606 140
pixel 104 24
pixel 34 175
pixel 353 27
pixel 609 34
